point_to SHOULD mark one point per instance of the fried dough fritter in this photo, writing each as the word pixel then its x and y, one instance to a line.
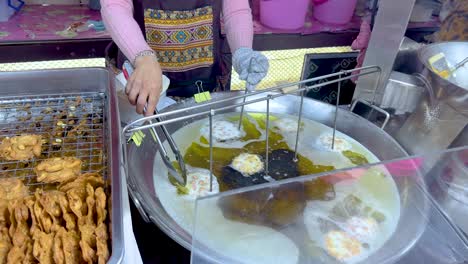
pixel 93 178
pixel 42 249
pixel 58 169
pixel 91 204
pixel 67 214
pixel 63 226
pixel 57 250
pixel 76 200
pixel 19 216
pixel 23 147
pixel 67 247
pixel 101 243
pixel 16 255
pixel 20 233
pixel 50 201
pixel 11 188
pixel 88 243
pixel 101 211
pixel 5 244
pixel 43 219
pixel 29 202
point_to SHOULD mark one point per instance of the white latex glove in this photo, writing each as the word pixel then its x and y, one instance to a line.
pixel 252 66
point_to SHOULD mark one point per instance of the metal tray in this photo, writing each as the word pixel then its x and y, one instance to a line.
pixel 28 102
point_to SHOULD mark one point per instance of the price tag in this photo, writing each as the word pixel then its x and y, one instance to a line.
pixel 137 138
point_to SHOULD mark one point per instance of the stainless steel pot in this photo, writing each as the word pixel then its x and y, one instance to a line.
pixel 142 172
pixel 443 114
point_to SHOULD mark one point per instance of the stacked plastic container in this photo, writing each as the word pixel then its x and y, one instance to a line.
pixel 8 8
pixel 337 12
pixel 283 14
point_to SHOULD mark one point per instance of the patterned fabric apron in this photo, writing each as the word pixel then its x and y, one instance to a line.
pixel 185 34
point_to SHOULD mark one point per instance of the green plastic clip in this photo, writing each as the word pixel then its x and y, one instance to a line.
pixel 201 96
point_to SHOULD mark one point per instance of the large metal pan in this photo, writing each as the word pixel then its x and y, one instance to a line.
pixel 141 161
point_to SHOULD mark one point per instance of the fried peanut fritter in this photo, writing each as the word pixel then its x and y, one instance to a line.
pixel 23 147
pixel 58 169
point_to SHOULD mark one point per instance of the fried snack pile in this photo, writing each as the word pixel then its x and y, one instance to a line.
pixel 58 169
pixel 23 147
pixel 63 226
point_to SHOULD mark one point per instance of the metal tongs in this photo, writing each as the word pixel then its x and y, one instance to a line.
pixel 181 179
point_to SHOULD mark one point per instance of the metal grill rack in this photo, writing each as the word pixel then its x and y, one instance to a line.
pixel 159 121
pixel 70 125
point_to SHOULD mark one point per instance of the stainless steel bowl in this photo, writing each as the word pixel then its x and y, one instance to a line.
pixel 141 162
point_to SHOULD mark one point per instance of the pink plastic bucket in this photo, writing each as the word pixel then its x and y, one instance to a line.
pixel 336 12
pixel 283 14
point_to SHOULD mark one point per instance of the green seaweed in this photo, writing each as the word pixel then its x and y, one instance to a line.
pixel 181 190
pixel 355 158
pixel 353 206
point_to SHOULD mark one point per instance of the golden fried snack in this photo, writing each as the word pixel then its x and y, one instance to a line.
pixel 19 233
pixel 88 243
pixel 23 147
pixel 67 247
pixel 42 249
pixel 5 244
pixel 101 243
pixel 101 211
pixel 77 204
pixel 95 179
pixel 19 228
pixel 91 204
pixel 57 250
pixel 50 201
pixel 29 257
pixel 58 169
pixel 29 202
pixel 68 216
pixel 16 255
pixel 43 219
pixel 11 189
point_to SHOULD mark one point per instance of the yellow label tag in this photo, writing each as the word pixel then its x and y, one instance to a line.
pixel 202 97
pixel 439 65
pixel 137 138
pixel 436 57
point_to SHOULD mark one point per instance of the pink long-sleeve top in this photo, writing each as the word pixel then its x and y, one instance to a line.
pixel 124 30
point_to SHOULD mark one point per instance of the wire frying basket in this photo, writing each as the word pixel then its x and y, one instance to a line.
pixel 70 125
pixel 156 124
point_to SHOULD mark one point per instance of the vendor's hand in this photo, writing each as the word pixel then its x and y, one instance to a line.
pixel 252 66
pixel 144 85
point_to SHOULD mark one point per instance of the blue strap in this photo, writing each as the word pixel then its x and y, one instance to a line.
pixel 18 7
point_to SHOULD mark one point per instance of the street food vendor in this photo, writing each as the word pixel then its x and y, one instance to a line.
pixel 181 38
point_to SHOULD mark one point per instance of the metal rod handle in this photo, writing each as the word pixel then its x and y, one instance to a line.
pixel 211 149
pixel 267 141
pixel 299 119
pixel 336 114
pixel 133 126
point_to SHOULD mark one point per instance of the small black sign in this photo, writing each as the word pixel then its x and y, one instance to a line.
pixel 316 65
